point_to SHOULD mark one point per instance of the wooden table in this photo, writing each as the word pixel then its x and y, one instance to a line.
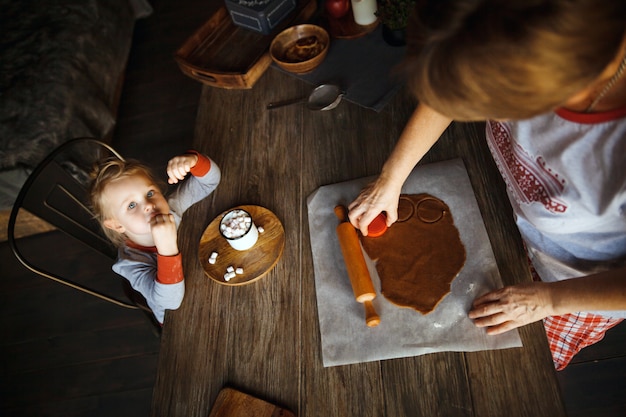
pixel 264 338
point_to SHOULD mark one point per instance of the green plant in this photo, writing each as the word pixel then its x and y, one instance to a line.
pixel 395 13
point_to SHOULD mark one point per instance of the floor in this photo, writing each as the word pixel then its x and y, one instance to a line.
pixel 67 354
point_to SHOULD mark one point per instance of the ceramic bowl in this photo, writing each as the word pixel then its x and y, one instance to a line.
pixel 301 48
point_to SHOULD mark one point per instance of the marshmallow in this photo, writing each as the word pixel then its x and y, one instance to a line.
pixel 235 224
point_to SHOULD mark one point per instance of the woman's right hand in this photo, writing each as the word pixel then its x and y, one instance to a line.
pixel 382 195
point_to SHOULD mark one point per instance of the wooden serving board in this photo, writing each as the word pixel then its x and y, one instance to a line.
pixel 256 261
pixel 222 54
pixel 233 403
pixel 345 27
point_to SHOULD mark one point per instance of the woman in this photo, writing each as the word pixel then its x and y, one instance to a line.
pixel 549 78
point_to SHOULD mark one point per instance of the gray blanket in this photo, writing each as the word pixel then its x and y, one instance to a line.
pixel 61 62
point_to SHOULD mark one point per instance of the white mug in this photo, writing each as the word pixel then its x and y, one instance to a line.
pixel 239 230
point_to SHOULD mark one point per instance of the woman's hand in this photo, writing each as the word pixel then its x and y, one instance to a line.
pixel 515 306
pixel 381 195
pixel 179 166
pixel 422 130
pixel 511 307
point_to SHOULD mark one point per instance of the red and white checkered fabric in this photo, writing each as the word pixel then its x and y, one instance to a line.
pixel 569 333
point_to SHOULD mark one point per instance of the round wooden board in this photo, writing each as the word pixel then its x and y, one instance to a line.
pixel 256 261
pixel 345 27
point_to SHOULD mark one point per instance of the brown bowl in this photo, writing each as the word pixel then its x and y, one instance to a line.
pixel 300 48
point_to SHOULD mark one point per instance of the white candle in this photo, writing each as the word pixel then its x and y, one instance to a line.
pixel 363 11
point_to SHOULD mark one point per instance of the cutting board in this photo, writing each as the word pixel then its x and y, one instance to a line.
pixel 345 27
pixel 233 403
pixel 256 262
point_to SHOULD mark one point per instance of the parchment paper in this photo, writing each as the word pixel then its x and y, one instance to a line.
pixel 402 332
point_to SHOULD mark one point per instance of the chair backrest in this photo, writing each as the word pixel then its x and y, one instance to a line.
pixel 56 191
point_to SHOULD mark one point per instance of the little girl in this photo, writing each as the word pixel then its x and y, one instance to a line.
pixel 129 204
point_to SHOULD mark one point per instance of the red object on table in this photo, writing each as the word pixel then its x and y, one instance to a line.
pixel 378 226
pixel 337 8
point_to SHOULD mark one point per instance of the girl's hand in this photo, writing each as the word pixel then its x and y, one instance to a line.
pixel 164 234
pixel 510 307
pixel 375 198
pixel 179 166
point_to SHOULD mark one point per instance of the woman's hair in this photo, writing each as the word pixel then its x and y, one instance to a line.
pixel 104 173
pixel 509 59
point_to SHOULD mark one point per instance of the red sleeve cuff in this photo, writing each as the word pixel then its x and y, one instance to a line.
pixel 170 269
pixel 202 167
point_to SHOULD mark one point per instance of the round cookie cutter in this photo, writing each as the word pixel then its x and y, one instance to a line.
pixel 428 209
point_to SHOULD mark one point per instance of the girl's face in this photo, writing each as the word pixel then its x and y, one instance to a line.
pixel 131 202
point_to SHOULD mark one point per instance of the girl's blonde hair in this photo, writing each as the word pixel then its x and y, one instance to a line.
pixel 104 173
pixel 509 59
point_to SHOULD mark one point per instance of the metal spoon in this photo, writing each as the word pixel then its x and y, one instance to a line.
pixel 323 97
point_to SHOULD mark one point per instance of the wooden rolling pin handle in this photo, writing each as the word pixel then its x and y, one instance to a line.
pixel 371 316
pixel 342 213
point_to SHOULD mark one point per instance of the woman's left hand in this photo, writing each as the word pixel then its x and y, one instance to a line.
pixel 511 307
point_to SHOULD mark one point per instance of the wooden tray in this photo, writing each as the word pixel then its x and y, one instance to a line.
pixel 256 261
pixel 222 54
pixel 233 403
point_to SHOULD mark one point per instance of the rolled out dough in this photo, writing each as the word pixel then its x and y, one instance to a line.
pixel 419 256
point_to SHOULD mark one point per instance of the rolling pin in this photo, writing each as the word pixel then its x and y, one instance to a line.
pixel 355 264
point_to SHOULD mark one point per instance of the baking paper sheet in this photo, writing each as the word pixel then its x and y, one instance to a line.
pixel 402 332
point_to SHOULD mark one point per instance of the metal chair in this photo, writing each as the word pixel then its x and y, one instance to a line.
pixel 56 191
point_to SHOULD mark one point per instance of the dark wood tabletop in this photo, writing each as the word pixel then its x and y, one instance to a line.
pixel 264 338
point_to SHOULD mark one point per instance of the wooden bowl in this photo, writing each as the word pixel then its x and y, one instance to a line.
pixel 301 48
